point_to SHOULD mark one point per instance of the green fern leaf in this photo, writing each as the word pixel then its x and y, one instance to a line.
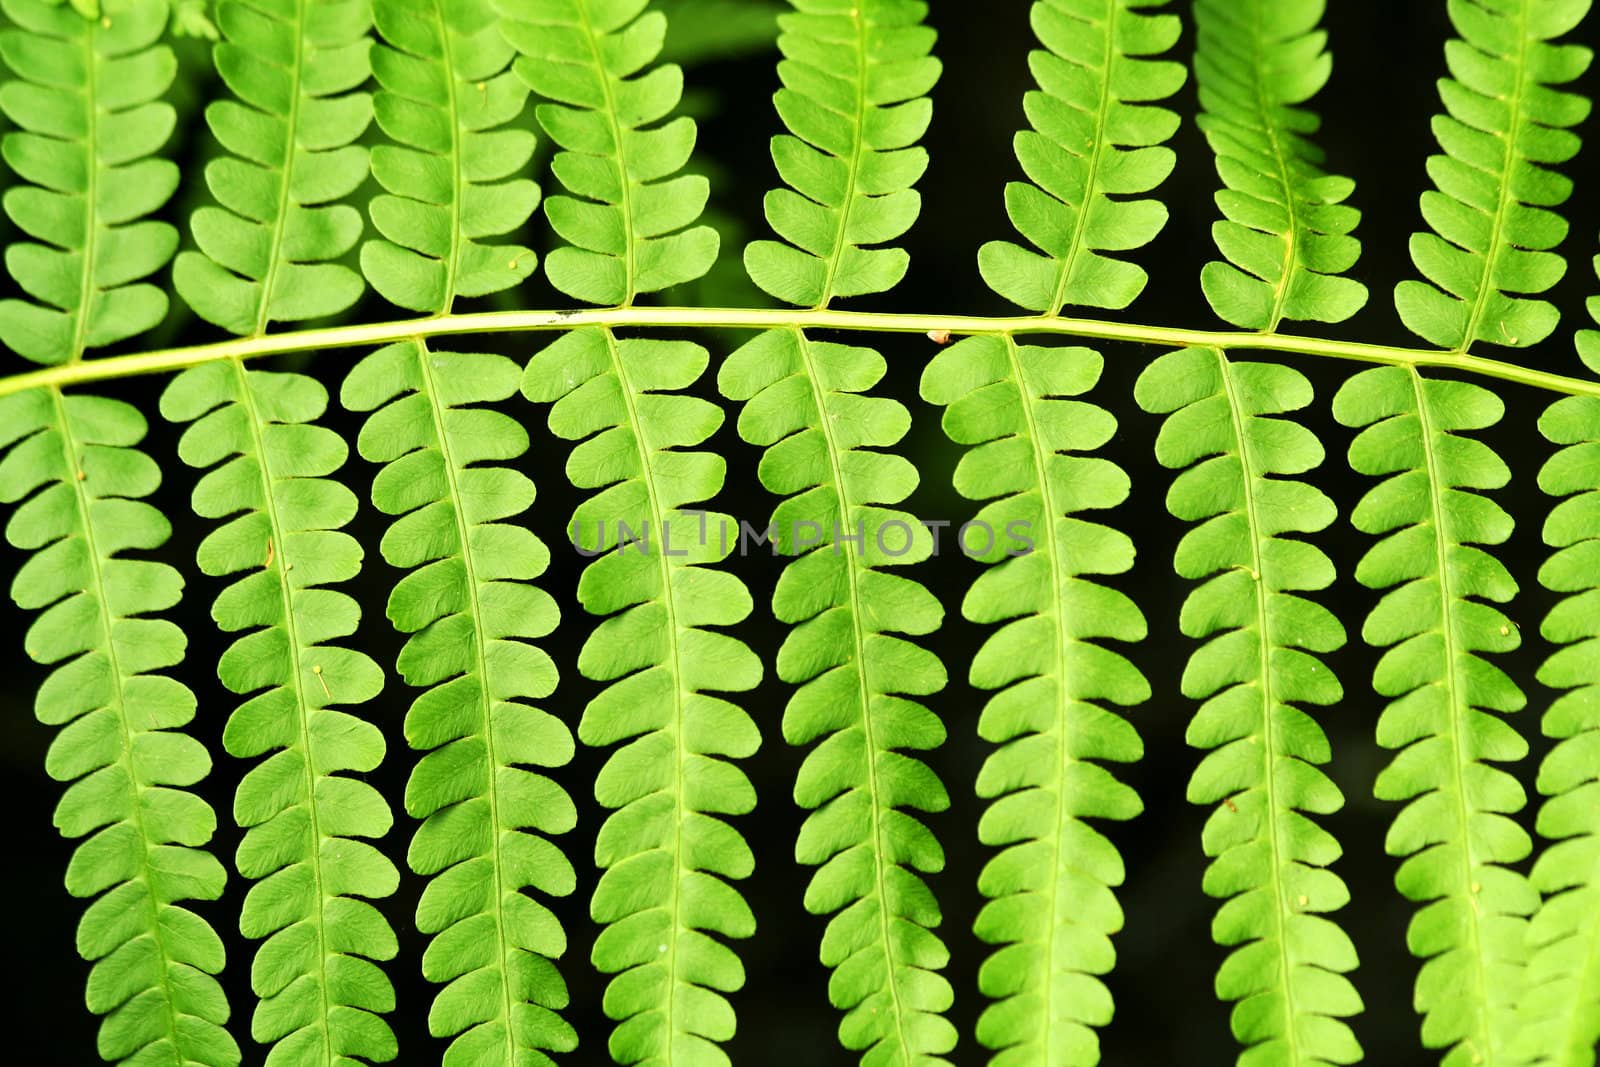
pixel 665 851
pixel 265 252
pixel 468 603
pixel 804 403
pixel 303 819
pixel 1490 214
pixel 1456 830
pixel 86 104
pixel 1051 908
pixel 80 483
pixel 1561 1007
pixel 855 90
pixel 1286 231
pixel 447 98
pixel 1238 455
pixel 1096 134
pixel 629 224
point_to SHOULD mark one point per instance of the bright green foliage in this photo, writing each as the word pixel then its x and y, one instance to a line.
pixel 468 603
pixel 629 222
pixel 1258 666
pixel 856 76
pixel 1561 1008
pixel 665 850
pixel 447 98
pixel 804 404
pixel 1286 231
pixel 264 253
pixel 85 102
pixel 1096 133
pixel 1051 906
pixel 302 818
pixel 80 483
pixel 1436 620
pixel 1491 215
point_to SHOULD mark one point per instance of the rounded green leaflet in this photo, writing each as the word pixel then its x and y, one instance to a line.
pixel 265 248
pixel 1436 620
pixel 307 820
pixel 1286 229
pixel 1028 442
pixel 85 185
pixel 472 614
pixel 629 226
pixel 666 852
pixel 1493 227
pixel 1096 131
pixel 79 483
pixel 1226 433
pixel 448 102
pixel 856 80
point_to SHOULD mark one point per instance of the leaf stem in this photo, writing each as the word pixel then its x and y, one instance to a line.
pixel 374 334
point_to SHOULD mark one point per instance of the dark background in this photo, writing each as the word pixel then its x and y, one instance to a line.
pixel 1388 54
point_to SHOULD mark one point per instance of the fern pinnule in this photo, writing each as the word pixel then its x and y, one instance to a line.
pixel 448 100
pixel 629 225
pixel 1050 910
pixel 666 851
pixel 86 103
pixel 1097 132
pixel 1286 231
pixel 265 253
pixel 1492 213
pixel 470 610
pixel 1457 831
pixel 1227 432
pixel 321 996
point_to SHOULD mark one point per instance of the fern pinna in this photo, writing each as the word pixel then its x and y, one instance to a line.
pixel 371 176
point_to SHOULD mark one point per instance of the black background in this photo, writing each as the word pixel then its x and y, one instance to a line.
pixel 1388 55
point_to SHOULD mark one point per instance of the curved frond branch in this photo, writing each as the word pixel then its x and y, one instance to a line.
pixel 1097 132
pixel 468 603
pixel 1561 1007
pixel 1286 230
pixel 1491 213
pixel 265 248
pixel 79 483
pixel 1226 432
pixel 89 115
pixel 630 221
pixel 856 78
pixel 666 851
pixel 804 403
pixel 1051 908
pixel 448 101
pixel 1437 618
pixel 305 817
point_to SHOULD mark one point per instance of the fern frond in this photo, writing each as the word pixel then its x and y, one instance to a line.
pixel 1096 134
pixel 666 852
pixel 629 223
pixel 269 480
pixel 1050 903
pixel 265 252
pixel 1286 231
pixel 1561 1006
pixel 447 97
pixel 804 403
pixel 1505 127
pixel 1436 619
pixel 856 79
pixel 1238 455
pixel 86 103
pixel 468 603
pixel 81 484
